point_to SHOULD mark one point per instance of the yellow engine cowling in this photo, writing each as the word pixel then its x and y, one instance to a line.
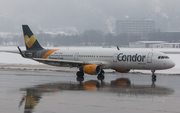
pixel 92 69
pixel 123 70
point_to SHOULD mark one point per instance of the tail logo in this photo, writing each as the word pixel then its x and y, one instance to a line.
pixel 29 41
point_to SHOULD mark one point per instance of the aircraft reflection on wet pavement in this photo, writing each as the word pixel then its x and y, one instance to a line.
pixel 121 86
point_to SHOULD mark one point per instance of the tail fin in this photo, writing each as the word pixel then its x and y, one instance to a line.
pixel 30 40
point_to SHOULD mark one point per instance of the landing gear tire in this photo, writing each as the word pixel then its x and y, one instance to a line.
pixel 80 74
pixel 153 76
pixel 101 75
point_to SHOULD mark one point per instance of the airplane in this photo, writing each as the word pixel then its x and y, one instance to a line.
pixel 93 62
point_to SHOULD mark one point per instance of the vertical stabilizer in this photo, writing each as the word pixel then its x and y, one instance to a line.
pixel 30 40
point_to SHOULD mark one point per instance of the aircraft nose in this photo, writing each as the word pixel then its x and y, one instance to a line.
pixel 171 64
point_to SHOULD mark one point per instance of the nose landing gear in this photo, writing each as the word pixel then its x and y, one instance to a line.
pixel 153 79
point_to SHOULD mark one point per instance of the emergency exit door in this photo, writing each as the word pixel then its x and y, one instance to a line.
pixel 149 57
pixel 115 57
pixel 76 56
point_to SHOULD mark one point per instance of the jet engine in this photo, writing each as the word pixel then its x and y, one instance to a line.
pixel 123 70
pixel 92 69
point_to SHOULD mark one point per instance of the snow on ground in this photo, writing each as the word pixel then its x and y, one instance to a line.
pixel 12 58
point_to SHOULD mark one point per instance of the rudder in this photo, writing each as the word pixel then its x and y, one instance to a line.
pixel 30 40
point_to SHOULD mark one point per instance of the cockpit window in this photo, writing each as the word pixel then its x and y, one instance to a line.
pixel 166 57
pixel 163 57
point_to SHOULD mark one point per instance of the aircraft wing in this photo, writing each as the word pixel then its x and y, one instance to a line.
pixel 67 61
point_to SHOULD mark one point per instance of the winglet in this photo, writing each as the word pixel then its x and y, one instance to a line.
pixel 117 48
pixel 20 52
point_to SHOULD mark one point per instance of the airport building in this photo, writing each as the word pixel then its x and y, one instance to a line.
pixel 153 44
pixel 135 26
pixel 144 44
pixel 165 45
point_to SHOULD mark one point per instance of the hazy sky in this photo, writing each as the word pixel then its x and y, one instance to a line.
pixel 80 15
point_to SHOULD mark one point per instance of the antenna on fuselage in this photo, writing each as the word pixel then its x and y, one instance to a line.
pixel 117 48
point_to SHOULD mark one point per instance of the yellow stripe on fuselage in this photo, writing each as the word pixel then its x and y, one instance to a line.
pixel 49 52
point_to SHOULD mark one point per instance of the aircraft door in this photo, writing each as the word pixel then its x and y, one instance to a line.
pixel 115 57
pixel 149 58
pixel 76 56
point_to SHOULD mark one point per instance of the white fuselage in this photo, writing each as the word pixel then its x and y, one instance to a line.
pixel 116 59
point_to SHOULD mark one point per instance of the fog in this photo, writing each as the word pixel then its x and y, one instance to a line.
pixel 80 15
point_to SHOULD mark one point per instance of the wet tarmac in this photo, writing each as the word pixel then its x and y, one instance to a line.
pixel 32 91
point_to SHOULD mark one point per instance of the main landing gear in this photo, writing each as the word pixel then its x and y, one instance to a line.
pixel 80 74
pixel 101 75
pixel 153 79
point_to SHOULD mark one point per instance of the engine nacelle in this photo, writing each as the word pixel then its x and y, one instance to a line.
pixel 123 70
pixel 92 69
